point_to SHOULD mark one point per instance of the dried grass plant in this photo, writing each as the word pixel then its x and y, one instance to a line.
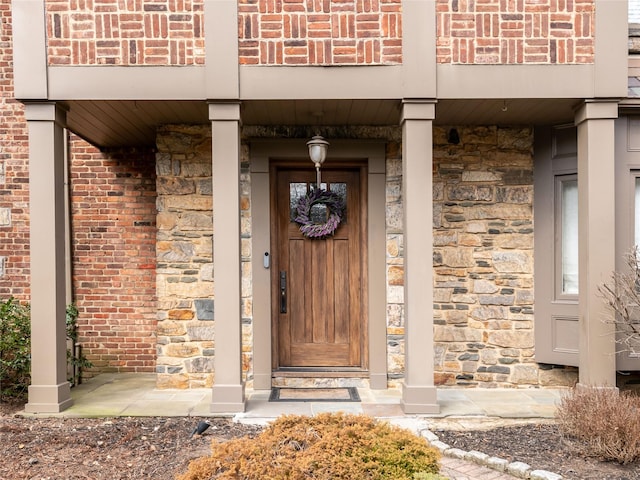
pixel 604 423
pixel 622 295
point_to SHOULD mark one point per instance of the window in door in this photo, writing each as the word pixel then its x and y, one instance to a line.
pixel 636 211
pixel 567 236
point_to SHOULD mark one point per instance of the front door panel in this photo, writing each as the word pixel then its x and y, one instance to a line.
pixel 317 282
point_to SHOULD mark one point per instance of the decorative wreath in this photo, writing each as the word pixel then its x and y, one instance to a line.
pixel 336 207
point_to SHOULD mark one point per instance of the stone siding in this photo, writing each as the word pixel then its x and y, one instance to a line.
pixel 185 257
pixel 483 259
pixel 185 287
pixel 515 32
pixel 115 32
pixel 395 263
pixel 483 255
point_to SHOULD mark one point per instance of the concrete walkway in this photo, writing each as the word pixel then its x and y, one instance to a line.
pixel 114 395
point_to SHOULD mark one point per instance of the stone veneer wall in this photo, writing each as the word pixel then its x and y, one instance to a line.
pixel 186 343
pixel 483 260
pixel 483 229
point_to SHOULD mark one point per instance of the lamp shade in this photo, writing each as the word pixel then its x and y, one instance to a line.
pixel 318 149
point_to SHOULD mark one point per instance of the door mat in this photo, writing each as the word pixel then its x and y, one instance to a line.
pixel 286 394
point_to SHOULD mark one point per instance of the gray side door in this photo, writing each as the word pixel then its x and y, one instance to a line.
pixel 555 216
pixel 556 246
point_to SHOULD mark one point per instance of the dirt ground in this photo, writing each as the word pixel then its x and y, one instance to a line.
pixel 100 448
pixel 542 447
pixel 160 448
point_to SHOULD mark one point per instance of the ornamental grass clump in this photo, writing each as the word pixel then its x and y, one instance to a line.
pixel 604 423
pixel 324 447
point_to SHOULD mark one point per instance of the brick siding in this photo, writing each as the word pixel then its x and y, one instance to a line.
pixel 14 175
pixel 118 32
pixel 320 32
pixel 14 200
pixel 114 267
pixel 515 31
pixel 113 235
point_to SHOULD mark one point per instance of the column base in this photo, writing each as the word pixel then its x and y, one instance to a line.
pixel 378 381
pixel 49 398
pixel 227 399
pixel 584 386
pixel 262 381
pixel 419 399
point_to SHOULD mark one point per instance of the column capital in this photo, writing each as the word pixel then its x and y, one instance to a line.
pixel 593 109
pixel 46 112
pixel 224 111
pixel 418 109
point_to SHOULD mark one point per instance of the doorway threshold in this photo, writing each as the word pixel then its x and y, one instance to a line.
pixel 320 372
pixel 320 378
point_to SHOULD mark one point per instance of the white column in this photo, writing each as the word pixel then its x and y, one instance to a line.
pixel 49 391
pixel 596 243
pixel 419 391
pixel 228 387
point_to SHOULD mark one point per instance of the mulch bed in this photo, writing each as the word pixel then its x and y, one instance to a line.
pixel 542 447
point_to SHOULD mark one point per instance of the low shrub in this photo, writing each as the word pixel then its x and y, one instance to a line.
pixel 324 447
pixel 605 423
pixel 76 361
pixel 15 348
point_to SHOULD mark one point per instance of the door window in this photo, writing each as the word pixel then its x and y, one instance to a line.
pixel 567 234
pixel 319 212
pixel 636 212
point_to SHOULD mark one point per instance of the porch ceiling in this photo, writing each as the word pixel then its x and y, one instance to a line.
pixel 117 123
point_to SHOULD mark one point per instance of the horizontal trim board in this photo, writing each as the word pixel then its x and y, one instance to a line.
pixel 358 82
pixel 127 83
pixel 516 81
pixel 282 83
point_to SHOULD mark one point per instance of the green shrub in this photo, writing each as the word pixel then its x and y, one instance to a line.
pixel 324 447
pixel 15 348
pixel 605 423
pixel 75 359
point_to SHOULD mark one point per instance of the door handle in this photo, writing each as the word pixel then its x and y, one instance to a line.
pixel 283 292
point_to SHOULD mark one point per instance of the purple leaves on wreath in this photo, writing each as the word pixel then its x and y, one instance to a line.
pixel 317 196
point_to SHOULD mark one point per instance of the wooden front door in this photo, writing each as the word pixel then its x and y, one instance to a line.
pixel 318 283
